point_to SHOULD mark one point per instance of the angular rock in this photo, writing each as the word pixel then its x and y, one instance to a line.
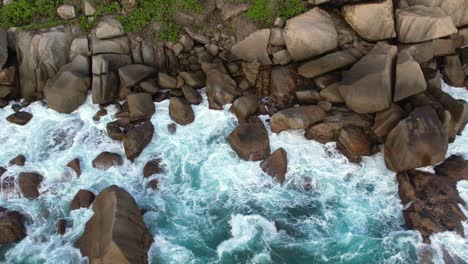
pixel 453 71
pixel 354 143
pixel 29 184
pixel 109 28
pixel 420 23
pixel 119 45
pixel 254 47
pixel 140 105
pixel 18 161
pixel 180 111
pixel 105 88
pixel 372 21
pixel 386 120
pixel 20 118
pixel 416 141
pixel 296 118
pixel 166 81
pixel 276 165
pixel 191 95
pixel 324 132
pixel 309 96
pixel 131 75
pixel 409 77
pixel 457 9
pixel 137 138
pixel 79 46
pixel 193 79
pixel 69 88
pixel 114 131
pixel 106 160
pixel 82 199
pixel 332 93
pixel 150 86
pixel 244 107
pixel 11 226
pixel 282 57
pixel 251 70
pixel 75 166
pixel 220 87
pixel 310 34
pixel 116 233
pixel 277 37
pixel 367 86
pixel 107 63
pixel 250 141
pixel 283 86
pixel 328 63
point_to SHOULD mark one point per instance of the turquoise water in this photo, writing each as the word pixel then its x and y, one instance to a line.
pixel 213 207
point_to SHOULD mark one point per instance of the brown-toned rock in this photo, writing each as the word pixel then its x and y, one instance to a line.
pixel 20 118
pixel 324 132
pixel 276 165
pixel 82 199
pixel 332 94
pixel 153 167
pixel 250 141
pixel 18 160
pixel 140 105
pixel 191 95
pixel 221 89
pixel 114 131
pixel 409 77
pixel 172 127
pixel 309 96
pixel 354 143
pixel 181 111
pixel 29 184
pixel 453 71
pixel 416 141
pixel 283 86
pixel 106 160
pixel 137 138
pixel 61 226
pixel 75 166
pixel 116 233
pixel 329 62
pixel 245 106
pixel 386 120
pixel 254 47
pixel 11 226
pixel 296 118
pixel 131 75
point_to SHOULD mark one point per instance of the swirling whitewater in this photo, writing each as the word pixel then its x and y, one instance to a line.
pixel 211 206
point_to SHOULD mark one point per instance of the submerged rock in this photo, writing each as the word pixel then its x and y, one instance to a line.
pixel 106 160
pixel 153 167
pixel 75 166
pixel 83 199
pixel 116 233
pixel 250 141
pixel 11 226
pixel 18 160
pixel 276 165
pixel 29 184
pixel 137 138
pixel 20 118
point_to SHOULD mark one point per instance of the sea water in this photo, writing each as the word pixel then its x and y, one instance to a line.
pixel 211 206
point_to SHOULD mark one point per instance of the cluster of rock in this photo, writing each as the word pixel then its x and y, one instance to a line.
pixel 358 73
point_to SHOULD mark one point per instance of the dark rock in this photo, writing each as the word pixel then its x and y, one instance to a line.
pixel 82 199
pixel 191 95
pixel 153 167
pixel 416 141
pixel 29 184
pixel 386 120
pixel 309 96
pixel 61 226
pixel 453 71
pixel 250 141
pixel 245 106
pixel 276 165
pixel 195 80
pixel 116 233
pixel 131 75
pixel 324 132
pixel 296 118
pixel 154 184
pixel 18 160
pixel 137 138
pixel 140 105
pixel 99 114
pixel 19 118
pixel 283 86
pixel 106 160
pixel 172 127
pixel 75 166
pixel 180 111
pixel 11 226
pixel 114 131
pixel 105 88
pixel 354 143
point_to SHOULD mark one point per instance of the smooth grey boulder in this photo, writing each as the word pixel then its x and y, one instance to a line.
pixel 254 47
pixel 109 28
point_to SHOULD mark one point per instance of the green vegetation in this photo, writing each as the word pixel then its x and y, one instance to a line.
pixel 264 12
pixel 27 12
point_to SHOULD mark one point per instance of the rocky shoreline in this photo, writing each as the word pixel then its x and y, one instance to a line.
pixel 360 74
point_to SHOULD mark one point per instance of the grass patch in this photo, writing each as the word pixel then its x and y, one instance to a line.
pixel 264 12
pixel 28 12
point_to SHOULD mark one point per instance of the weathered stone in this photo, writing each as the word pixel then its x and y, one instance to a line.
pixel 372 21
pixel 309 96
pixel 131 75
pixel 328 63
pixel 254 47
pixel 114 131
pixel 324 132
pixel 367 86
pixel 244 107
pixel 11 226
pixel 296 118
pixel 61 226
pixel 277 37
pixel 137 138
pixel 180 111
pixel 420 23
pixel 8 76
pixel 149 86
pixel 250 141
pixel 220 87
pixel 409 77
pixel 332 94
pixel 191 95
pixel 116 233
pixel 310 34
pixel 79 46
pixel 107 63
pixel 18 160
pixel 195 80
pixel 276 165
pixel 106 160
pixel 29 184
pixel 251 70
pixel 120 45
pixel 166 81
pixel 66 11
pixel 416 141
pixel 89 7
pixel 3 48
pixel 153 167
pixel 386 120
pixel 140 105
pixel 75 166
pixel 283 86
pixel 20 118
pixel 282 57
pixel 105 88
pixel 453 71
pixel 354 143
pixel 457 9
pixel 109 28
pixel 325 105
pixel 69 88
pixel 82 199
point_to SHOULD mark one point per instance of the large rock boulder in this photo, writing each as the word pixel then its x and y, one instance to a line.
pixel 109 28
pixel 106 160
pixel 420 23
pixel 118 45
pixel 29 184
pixel 11 226
pixel 254 47
pixel 116 233
pixel 310 34
pixel 431 201
pixel 181 111
pixel 386 120
pixel 41 54
pixel 329 62
pixel 409 77
pixel 221 89
pixel 20 118
pixel 131 75
pixel 416 141
pixel 367 86
pixel 372 21
pixel 250 141
pixel 283 86
pixel 69 88
pixel 191 95
pixel 82 199
pixel 453 71
pixel 244 107
pixel 105 84
pixel 296 118
pixel 354 143
pixel 276 165
pixel 137 138
pixel 3 48
pixel 457 9
pixel 140 105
